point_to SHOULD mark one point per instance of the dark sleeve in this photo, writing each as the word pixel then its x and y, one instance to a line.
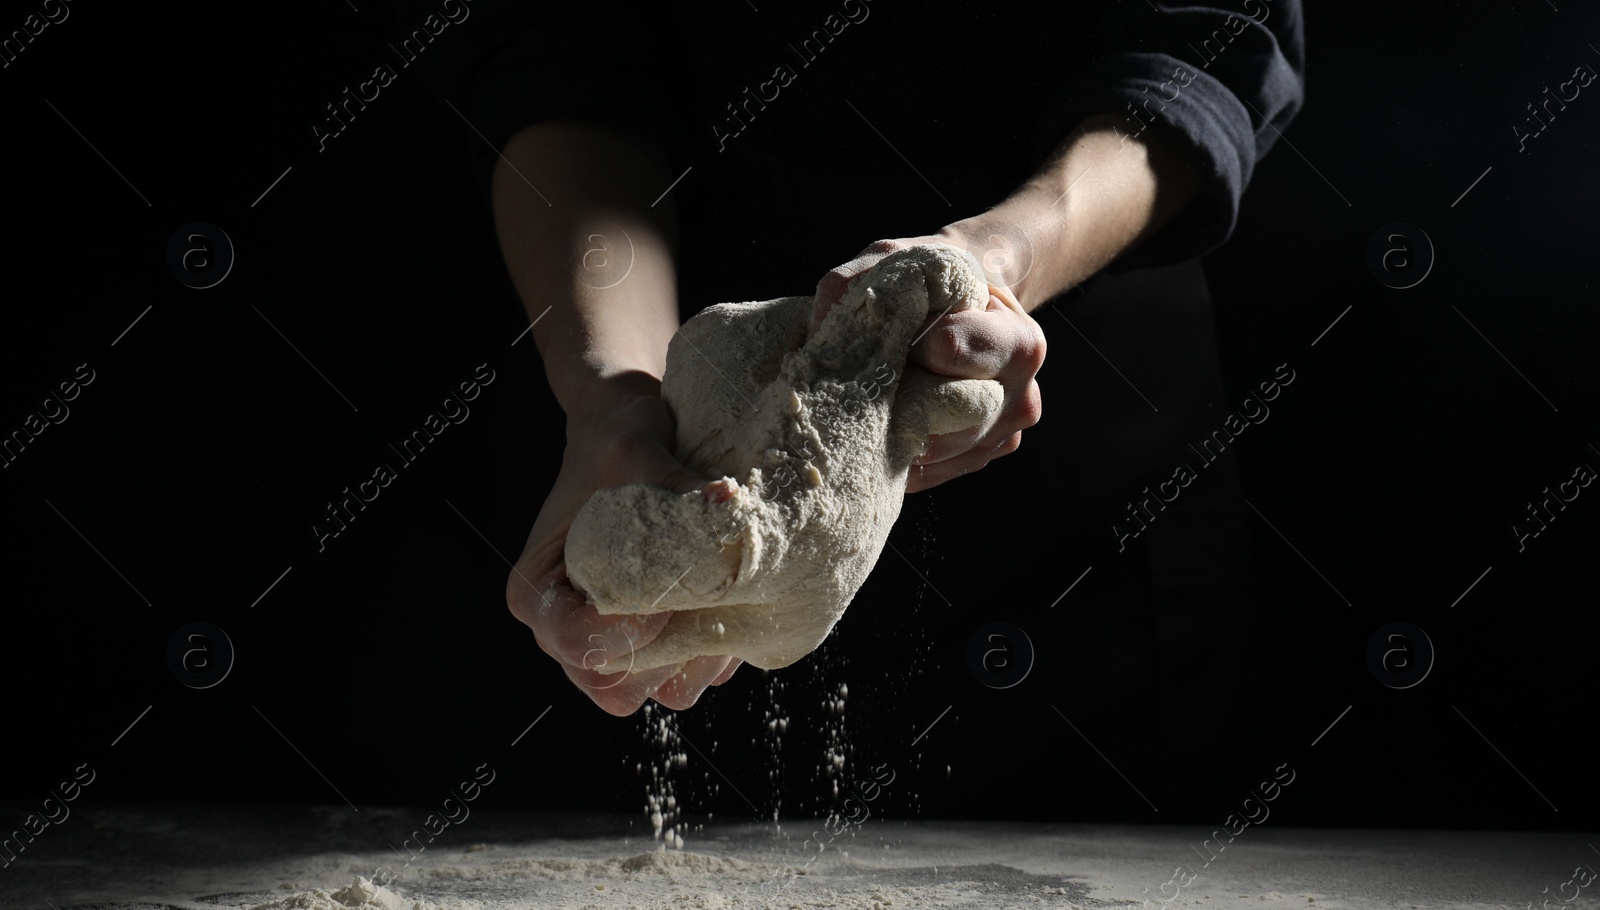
pixel 512 63
pixel 1222 82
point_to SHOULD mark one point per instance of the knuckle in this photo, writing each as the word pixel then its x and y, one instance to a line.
pixel 616 705
pixel 947 346
pixel 1034 348
pixel 1032 405
pixel 521 598
pixel 833 283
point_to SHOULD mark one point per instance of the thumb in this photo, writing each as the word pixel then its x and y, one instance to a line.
pixel 829 292
pixel 663 470
pixel 683 480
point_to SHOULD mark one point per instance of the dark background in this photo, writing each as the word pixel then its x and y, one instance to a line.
pixel 206 445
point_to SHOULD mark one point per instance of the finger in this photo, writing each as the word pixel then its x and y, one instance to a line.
pixel 1005 296
pixel 1021 409
pixel 570 629
pixel 1030 348
pixel 657 466
pixel 1018 412
pixel 620 694
pixel 645 457
pixel 968 344
pixel 684 689
pixel 832 287
pixel 946 446
pixel 995 343
pixel 566 625
pixel 925 477
pixel 830 290
pixel 727 674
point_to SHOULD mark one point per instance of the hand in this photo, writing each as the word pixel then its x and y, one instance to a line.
pixel 1001 342
pixel 629 439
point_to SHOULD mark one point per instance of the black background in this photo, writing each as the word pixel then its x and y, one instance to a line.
pixel 206 445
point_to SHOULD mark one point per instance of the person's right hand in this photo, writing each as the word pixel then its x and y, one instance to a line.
pixel 627 439
pixel 1001 342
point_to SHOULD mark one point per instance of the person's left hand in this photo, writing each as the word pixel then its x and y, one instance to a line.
pixel 1001 342
pixel 621 433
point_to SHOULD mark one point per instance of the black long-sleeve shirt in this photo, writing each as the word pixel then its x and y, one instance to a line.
pixel 1005 82
pixel 799 133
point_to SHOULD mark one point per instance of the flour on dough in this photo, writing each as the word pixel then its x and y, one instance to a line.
pixel 815 439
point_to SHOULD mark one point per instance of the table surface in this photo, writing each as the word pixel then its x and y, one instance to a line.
pixel 232 857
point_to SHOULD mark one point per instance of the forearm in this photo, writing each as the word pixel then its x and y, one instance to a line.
pixel 1095 199
pixel 590 258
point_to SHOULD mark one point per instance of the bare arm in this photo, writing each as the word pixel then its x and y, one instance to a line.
pixel 1097 197
pixel 601 330
pixel 593 266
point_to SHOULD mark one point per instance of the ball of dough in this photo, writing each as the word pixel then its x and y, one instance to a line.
pixel 814 438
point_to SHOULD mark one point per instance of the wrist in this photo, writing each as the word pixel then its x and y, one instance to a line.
pixel 602 346
pixel 601 391
pixel 1010 239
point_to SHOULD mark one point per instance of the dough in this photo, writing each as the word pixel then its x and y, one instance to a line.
pixel 813 439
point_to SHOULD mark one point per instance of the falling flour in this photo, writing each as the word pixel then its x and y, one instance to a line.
pixel 813 439
pixel 665 747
